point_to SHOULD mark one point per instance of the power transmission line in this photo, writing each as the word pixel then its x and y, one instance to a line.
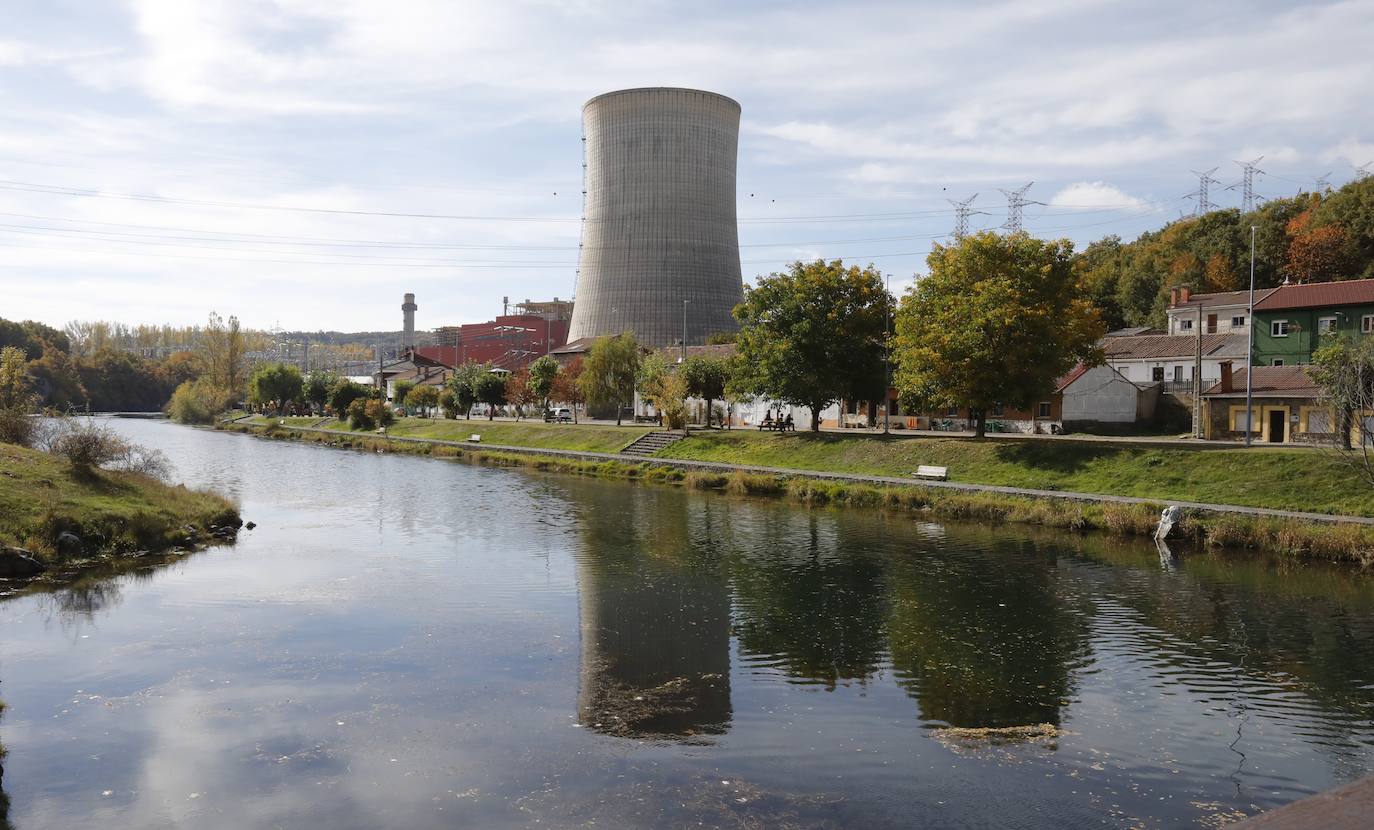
pixel 962 211
pixel 1016 203
pixel 1203 203
pixel 1323 182
pixel 1247 184
pixel 1362 171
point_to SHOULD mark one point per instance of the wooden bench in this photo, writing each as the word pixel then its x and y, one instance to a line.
pixel 475 438
pixel 937 473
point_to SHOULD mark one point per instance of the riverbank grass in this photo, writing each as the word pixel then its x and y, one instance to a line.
pixel 577 437
pixel 41 496
pixel 1305 480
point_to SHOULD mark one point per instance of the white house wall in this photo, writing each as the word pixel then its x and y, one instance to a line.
pixel 1100 395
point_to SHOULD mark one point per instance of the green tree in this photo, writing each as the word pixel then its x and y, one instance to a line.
pixel 653 369
pixel 198 402
pixel 815 334
pixel 609 372
pixel 58 373
pixel 16 401
pixel 275 385
pixel 706 378
pixel 490 389
pixel 316 388
pixel 463 384
pixel 543 373
pixel 449 403
pixel 1345 372
pixel 342 396
pixel 997 320
pixel 423 398
pixel 400 391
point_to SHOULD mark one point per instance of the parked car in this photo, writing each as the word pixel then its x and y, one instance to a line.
pixel 562 415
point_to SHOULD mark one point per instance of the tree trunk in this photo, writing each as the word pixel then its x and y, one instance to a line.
pixel 618 408
pixel 815 418
pixel 708 412
pixel 491 412
pixel 981 421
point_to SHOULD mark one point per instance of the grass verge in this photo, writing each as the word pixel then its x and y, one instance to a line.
pixel 112 512
pixel 1285 479
pixel 1339 542
pixel 579 437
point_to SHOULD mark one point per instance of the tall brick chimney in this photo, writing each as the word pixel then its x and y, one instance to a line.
pixel 1173 296
pixel 1184 292
pixel 1226 384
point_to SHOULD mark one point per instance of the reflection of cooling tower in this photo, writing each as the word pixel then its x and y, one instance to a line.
pixel 660 216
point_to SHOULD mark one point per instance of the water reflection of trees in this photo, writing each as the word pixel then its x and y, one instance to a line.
pixel 982 626
pixel 808 600
pixel 984 636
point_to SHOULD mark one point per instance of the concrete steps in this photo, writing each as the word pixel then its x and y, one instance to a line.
pixel 651 442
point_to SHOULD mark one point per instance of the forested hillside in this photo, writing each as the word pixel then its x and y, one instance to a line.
pixel 1310 238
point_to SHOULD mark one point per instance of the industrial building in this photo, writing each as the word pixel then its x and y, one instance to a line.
pixel 511 341
pixel 660 243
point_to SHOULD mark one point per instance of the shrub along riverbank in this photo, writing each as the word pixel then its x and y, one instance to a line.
pixel 1348 542
pixel 102 512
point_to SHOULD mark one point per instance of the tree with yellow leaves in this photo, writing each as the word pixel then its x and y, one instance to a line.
pixel 995 323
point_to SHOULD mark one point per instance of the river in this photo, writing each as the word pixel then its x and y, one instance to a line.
pixel 411 642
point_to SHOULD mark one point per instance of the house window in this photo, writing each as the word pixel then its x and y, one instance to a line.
pixel 1319 421
pixel 1278 328
pixel 1367 324
pixel 1157 373
pixel 1238 322
pixel 1185 325
pixel 952 412
pixel 1178 374
pixel 1326 325
pixel 1043 411
pixel 1278 361
pixel 1242 421
pixel 996 411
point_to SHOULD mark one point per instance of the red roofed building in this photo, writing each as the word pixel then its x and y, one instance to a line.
pixel 1286 407
pixel 1293 321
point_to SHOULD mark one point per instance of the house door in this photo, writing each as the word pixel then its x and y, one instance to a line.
pixel 1278 423
pixel 1211 324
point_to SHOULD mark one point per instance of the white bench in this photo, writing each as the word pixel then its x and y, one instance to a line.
pixel 475 438
pixel 937 473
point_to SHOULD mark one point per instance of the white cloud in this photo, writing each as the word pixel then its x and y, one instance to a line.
pixel 1094 195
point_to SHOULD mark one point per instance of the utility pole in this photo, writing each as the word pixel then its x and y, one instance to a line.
pixel 1197 376
pixel 1016 201
pixel 887 348
pixel 962 211
pixel 1203 202
pixel 1250 351
pixel 683 359
pixel 1247 184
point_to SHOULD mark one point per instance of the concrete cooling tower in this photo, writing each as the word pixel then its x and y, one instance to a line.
pixel 660 216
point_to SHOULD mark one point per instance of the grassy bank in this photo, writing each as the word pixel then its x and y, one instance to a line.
pixel 111 512
pixel 579 437
pixel 1291 537
pixel 1297 479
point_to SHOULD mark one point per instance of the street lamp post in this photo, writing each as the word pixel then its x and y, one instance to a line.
pixel 1250 351
pixel 683 359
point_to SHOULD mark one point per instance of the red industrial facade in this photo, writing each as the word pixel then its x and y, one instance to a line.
pixel 511 341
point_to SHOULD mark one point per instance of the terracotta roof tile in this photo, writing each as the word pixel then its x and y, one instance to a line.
pixel 1317 295
pixel 1224 298
pixel 1150 346
pixel 1270 381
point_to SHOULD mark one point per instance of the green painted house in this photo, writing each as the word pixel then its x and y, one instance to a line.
pixel 1293 321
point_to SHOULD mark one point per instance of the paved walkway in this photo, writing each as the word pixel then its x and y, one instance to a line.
pixel 714 466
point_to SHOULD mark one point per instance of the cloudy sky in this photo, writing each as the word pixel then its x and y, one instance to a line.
pixel 303 163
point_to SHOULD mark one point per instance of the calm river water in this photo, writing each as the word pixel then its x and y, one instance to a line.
pixel 408 642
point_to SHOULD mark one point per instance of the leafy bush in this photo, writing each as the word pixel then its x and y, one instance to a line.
pixel 16 427
pixel 358 416
pixel 381 414
pixel 198 402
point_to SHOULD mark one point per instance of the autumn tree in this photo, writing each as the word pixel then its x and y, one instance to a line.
pixel 610 371
pixel 423 398
pixel 814 334
pixel 567 386
pixel 518 391
pixel 1345 372
pixel 223 353
pixel 996 321
pixel 400 390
